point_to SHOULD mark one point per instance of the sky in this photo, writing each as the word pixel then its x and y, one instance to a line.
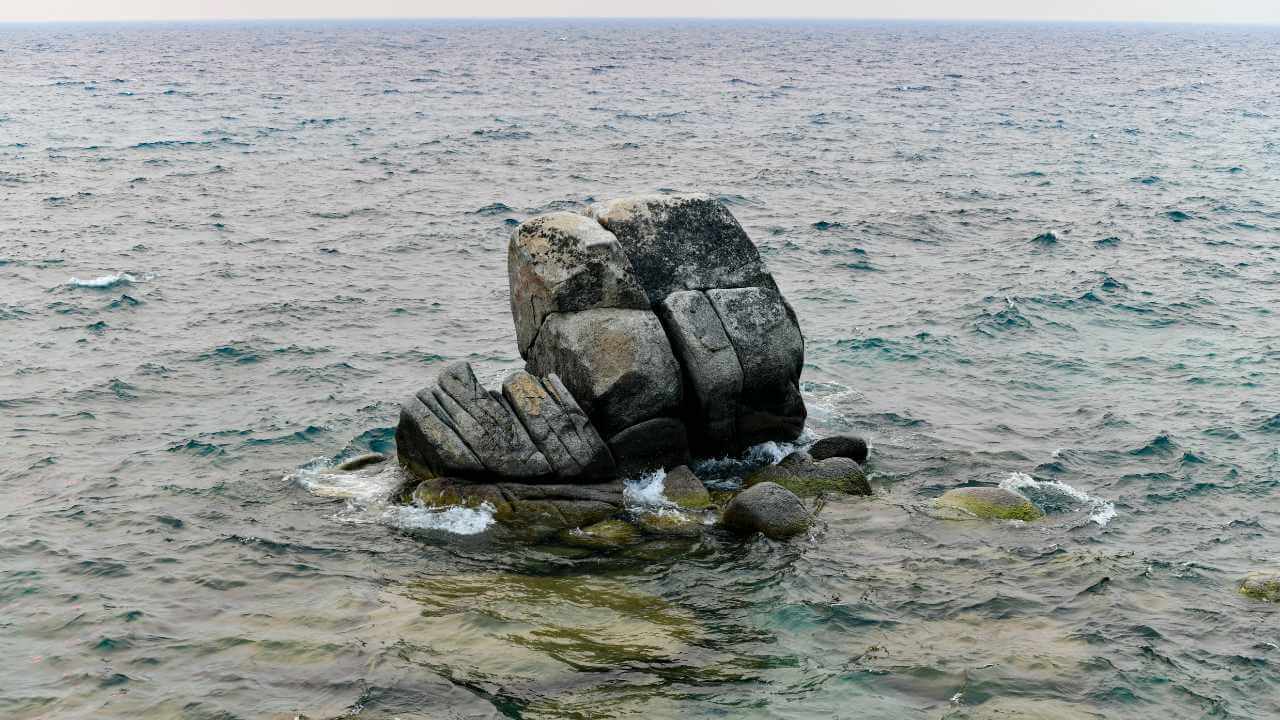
pixel 1228 11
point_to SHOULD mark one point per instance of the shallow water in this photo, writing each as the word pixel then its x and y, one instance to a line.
pixel 1042 256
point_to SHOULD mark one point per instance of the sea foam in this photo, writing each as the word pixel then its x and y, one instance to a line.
pixel 105 281
pixel 1100 511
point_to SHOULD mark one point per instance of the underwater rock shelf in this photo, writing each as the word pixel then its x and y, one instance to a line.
pixel 653 333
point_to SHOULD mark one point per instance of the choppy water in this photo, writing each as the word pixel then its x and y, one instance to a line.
pixel 1042 256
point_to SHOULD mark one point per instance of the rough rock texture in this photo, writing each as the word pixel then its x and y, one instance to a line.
pixel 767 508
pixel 683 488
pixel 850 446
pixel 812 477
pixel 564 262
pixel 712 373
pixel 669 522
pixel 770 349
pixel 558 426
pixel 617 364
pixel 428 446
pixel 1262 586
pixel 682 242
pixel 990 503
pixel 652 444
pixel 486 424
pixel 539 507
pixel 797 458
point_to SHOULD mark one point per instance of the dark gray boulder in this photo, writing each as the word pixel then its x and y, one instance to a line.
pixel 652 444
pixel 766 508
pixel 487 424
pixel 712 372
pixel 682 242
pixel 770 349
pixel 558 426
pixel 427 445
pixel 849 446
pixel 617 364
pixel 683 488
pixel 565 262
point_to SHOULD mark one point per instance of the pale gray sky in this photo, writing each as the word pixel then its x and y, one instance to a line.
pixel 1249 11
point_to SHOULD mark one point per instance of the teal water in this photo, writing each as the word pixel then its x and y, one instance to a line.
pixel 1045 256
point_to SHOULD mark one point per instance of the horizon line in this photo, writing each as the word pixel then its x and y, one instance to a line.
pixel 703 18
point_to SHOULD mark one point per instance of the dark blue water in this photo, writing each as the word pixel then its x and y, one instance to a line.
pixel 1043 256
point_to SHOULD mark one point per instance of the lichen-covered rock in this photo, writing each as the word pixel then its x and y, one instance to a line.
pixel 990 503
pixel 617 364
pixel 565 262
pixel 682 242
pixel 850 446
pixel 558 426
pixel 428 446
pixel 767 508
pixel 770 349
pixel 667 521
pixel 486 423
pixel 1262 586
pixel 812 477
pixel 652 444
pixel 445 492
pixel 712 371
pixel 683 488
pixel 604 535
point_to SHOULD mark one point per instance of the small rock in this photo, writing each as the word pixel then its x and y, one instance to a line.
pixel 990 503
pixel 604 535
pixel 683 488
pixel 808 477
pixel 795 459
pixel 1262 586
pixel 669 522
pixel 768 508
pixel 361 461
pixel 850 446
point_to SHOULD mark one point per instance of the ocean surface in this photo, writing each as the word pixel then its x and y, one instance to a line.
pixel 1040 256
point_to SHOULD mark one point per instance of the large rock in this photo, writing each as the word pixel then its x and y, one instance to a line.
pixel 652 444
pixel 712 371
pixel 767 508
pixel 427 445
pixel 813 477
pixel 565 262
pixel 558 426
pixel 849 446
pixel 539 509
pixel 486 423
pixel 1262 586
pixel 989 503
pixel 617 364
pixel 683 242
pixel 770 349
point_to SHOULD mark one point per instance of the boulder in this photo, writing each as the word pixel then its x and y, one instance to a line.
pixel 797 458
pixel 990 503
pixel 428 446
pixel 617 364
pixel 849 446
pixel 683 488
pixel 652 444
pixel 712 372
pixel 812 477
pixel 565 262
pixel 667 521
pixel 538 508
pixel 682 242
pixel 558 426
pixel 770 349
pixel 1262 586
pixel 767 508
pixel 486 423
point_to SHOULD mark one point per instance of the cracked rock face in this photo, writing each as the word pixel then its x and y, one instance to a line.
pixel 558 426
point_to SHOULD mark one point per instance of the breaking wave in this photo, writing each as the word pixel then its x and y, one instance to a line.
pixel 105 281
pixel 1053 495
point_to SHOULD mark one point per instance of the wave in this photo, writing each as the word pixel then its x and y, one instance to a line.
pixel 1052 494
pixel 106 281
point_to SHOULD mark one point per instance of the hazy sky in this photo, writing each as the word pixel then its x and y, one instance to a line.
pixel 1257 11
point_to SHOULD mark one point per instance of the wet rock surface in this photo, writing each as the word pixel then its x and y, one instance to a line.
pixel 767 508
pixel 849 446
pixel 807 477
pixel 989 503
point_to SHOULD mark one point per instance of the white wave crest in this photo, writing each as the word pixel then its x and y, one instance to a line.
pixel 105 281
pixel 363 487
pixel 646 491
pixel 1101 511
pixel 455 519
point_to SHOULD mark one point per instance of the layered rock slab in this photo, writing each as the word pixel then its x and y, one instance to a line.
pixel 558 426
pixel 564 262
pixel 712 372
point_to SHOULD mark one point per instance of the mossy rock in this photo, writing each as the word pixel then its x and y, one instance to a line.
pixel 604 535
pixel 807 478
pixel 683 488
pixel 990 503
pixel 670 522
pixel 1262 586
pixel 449 492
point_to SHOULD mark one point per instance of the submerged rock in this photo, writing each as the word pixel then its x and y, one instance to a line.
pixel 537 508
pixel 1262 586
pixel 767 508
pixel 812 477
pixel 667 521
pixel 850 446
pixel 990 503
pixel 604 535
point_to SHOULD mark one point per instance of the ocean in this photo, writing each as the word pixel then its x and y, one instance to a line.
pixel 1043 256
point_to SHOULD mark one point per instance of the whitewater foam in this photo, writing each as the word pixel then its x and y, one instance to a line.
pixel 105 281
pixel 1101 511
pixel 646 491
